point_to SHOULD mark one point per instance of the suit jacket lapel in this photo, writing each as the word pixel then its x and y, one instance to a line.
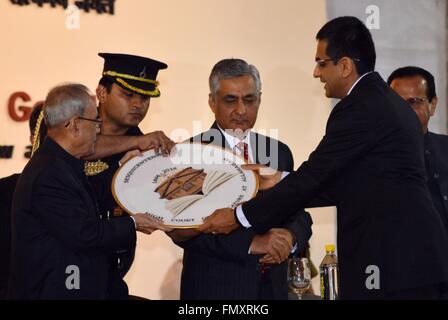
pixel 224 142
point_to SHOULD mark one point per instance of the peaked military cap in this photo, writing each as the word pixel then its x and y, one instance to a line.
pixel 134 73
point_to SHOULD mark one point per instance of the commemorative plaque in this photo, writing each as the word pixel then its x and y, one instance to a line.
pixel 184 188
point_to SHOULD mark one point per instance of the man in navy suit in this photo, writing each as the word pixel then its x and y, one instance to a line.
pixel 417 86
pixel 370 165
pixel 233 266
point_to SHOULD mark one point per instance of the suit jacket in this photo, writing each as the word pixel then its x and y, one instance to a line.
pixel 219 267
pixel 56 224
pixel 121 260
pixel 7 186
pixel 370 163
pixel 436 157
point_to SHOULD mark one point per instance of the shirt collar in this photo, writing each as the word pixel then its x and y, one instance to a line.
pixel 356 82
pixel 134 131
pixel 232 141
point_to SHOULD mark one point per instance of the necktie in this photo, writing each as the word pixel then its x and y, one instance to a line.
pixel 243 147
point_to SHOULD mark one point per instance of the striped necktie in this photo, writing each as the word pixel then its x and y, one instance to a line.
pixel 244 150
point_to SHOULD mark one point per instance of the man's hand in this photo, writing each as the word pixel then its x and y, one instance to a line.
pixel 148 225
pixel 129 155
pixel 181 235
pixel 221 221
pixel 276 244
pixel 267 177
pixel 156 140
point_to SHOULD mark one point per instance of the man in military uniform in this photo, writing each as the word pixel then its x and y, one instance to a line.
pixel 124 93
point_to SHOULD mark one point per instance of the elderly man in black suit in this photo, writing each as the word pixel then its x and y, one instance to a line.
pixel 60 244
pixel 233 266
pixel 370 165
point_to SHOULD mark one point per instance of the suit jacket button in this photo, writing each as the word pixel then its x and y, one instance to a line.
pixel 445 197
pixel 436 175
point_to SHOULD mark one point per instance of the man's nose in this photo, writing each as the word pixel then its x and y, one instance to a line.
pixel 316 72
pixel 138 102
pixel 240 107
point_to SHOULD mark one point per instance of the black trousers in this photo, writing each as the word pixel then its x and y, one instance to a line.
pixel 266 291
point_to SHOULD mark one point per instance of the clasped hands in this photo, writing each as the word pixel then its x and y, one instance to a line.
pixel 276 245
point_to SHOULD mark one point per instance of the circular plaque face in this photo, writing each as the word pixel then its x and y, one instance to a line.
pixel 185 187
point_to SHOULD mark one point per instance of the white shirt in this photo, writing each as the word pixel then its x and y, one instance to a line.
pixel 232 141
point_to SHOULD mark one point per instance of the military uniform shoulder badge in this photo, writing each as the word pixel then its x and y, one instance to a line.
pixel 92 168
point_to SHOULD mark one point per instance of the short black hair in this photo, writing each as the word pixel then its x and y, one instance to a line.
pixel 349 37
pixel 107 83
pixel 412 71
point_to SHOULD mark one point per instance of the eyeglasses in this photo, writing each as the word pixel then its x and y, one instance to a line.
pixel 321 63
pixel 97 121
pixel 416 101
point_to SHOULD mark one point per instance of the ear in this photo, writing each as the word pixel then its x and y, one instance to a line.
pixel 433 106
pixel 211 103
pixel 73 127
pixel 101 93
pixel 76 130
pixel 347 67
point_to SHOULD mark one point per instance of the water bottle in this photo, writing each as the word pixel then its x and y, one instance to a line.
pixel 329 280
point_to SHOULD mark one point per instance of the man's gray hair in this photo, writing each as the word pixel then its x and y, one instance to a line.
pixel 232 68
pixel 64 102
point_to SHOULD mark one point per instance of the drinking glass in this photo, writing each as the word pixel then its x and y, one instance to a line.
pixel 299 276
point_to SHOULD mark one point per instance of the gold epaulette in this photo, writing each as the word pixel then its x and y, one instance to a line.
pixel 92 168
pixel 36 141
